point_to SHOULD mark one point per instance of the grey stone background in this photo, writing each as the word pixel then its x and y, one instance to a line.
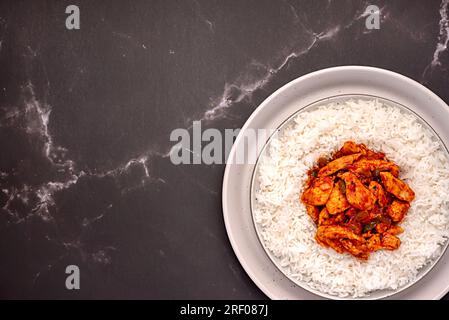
pixel 85 118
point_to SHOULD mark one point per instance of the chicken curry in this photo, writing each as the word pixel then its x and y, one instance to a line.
pixel 357 201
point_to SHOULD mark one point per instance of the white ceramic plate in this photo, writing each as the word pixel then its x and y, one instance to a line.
pixel 275 110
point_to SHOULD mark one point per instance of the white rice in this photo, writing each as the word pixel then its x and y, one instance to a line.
pixel 288 232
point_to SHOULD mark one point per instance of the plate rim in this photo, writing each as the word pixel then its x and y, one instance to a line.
pixel 261 285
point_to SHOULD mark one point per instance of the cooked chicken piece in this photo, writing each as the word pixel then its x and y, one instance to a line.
pixel 323 217
pixel 379 193
pixel 395 229
pixel 377 213
pixel 397 210
pixel 371 155
pixel 367 235
pixel 355 227
pixel 337 200
pixel 319 191
pixel 338 164
pixel 390 242
pixel 358 250
pixel 334 244
pixel 397 187
pixel 366 166
pixel 313 212
pixel 357 194
pixel 320 241
pixel 373 243
pixel 337 232
pixel 338 218
pixel 350 147
pixel 361 171
pixel 383 165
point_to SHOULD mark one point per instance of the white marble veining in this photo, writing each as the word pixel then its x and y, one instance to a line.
pixel 443 37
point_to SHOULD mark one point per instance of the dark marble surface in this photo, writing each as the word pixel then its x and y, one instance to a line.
pixel 85 118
